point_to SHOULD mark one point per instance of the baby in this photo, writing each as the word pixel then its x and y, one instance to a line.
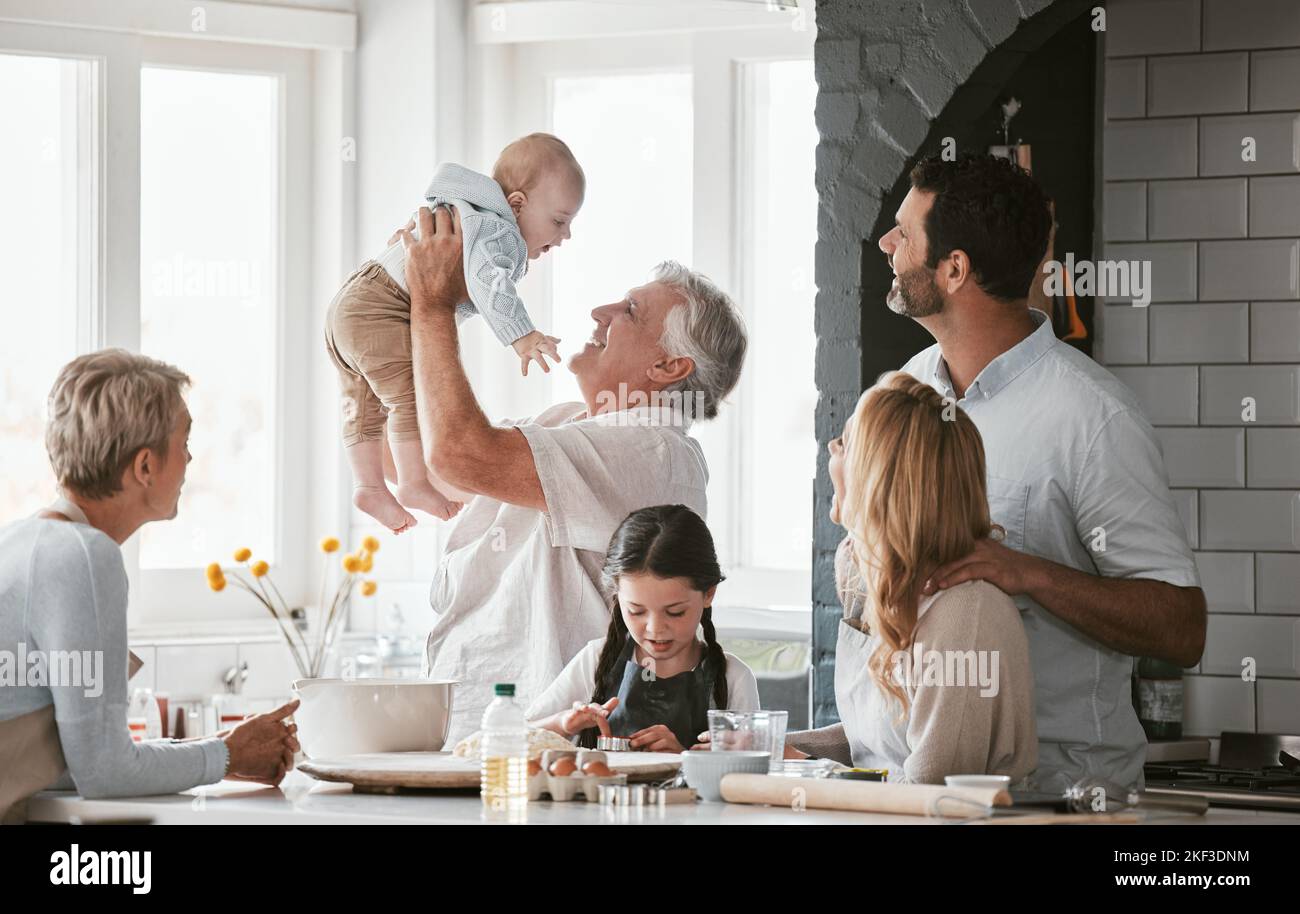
pixel 517 215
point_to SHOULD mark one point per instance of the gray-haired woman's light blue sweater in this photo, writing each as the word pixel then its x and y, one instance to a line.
pixel 63 589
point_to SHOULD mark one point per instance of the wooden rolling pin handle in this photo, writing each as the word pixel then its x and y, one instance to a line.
pixel 862 796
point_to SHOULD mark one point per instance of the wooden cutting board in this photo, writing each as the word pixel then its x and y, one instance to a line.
pixel 388 772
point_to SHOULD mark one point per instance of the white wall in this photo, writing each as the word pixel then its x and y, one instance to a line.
pixel 1222 235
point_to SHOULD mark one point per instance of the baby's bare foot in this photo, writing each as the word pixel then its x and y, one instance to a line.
pixel 424 497
pixel 380 504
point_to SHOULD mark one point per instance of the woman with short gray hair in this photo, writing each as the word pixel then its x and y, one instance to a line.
pixel 117 435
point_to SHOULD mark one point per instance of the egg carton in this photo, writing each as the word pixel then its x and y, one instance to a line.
pixel 572 786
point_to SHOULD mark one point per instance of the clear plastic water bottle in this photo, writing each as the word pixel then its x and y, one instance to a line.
pixel 504 750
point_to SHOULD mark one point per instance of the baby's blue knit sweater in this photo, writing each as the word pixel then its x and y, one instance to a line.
pixel 496 256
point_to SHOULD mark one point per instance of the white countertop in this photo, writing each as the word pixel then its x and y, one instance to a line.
pixel 302 800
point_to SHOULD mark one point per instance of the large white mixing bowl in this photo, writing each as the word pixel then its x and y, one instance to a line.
pixel 355 716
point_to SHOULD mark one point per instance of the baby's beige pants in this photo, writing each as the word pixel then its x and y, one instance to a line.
pixel 368 336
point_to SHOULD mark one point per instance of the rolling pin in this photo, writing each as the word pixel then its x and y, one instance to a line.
pixel 863 796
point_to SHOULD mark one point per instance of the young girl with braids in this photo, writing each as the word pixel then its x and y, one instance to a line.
pixel 652 678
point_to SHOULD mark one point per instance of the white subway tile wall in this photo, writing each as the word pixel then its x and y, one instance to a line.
pixel 1255 395
pixel 1197 83
pixel 1168 394
pixel 1249 144
pixel 1204 456
pixel 1278 703
pixel 1228 579
pixel 1274 457
pixel 1277 582
pixel 1255 269
pixel 1274 206
pixel 1173 268
pixel 1198 209
pixel 1122 336
pixel 1275 331
pixel 1153 27
pixel 1212 704
pixel 1200 333
pixel 1126 210
pixel 1275 80
pixel 1201 175
pixel 1129 78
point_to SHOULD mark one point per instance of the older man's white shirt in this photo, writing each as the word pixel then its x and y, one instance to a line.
pixel 517 593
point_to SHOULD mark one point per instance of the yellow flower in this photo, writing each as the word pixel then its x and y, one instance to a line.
pixel 217 584
pixel 243 555
pixel 351 564
pixel 368 588
pixel 370 544
pixel 214 571
pixel 329 544
pixel 367 562
pixel 259 569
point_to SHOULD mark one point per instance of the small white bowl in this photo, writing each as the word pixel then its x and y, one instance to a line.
pixel 995 781
pixel 355 716
pixel 704 770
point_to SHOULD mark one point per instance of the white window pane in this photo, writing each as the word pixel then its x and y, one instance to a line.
pixel 781 398
pixel 632 135
pixel 40 253
pixel 209 298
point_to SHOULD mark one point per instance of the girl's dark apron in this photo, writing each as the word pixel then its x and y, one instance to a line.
pixel 680 702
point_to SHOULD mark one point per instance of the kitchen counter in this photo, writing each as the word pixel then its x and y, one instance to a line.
pixel 302 800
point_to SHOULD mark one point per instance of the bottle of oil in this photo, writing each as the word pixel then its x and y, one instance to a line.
pixel 504 750
pixel 1160 698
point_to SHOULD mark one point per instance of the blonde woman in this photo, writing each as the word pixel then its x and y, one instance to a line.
pixel 117 436
pixel 925 686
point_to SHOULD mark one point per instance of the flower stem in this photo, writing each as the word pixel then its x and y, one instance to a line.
pixel 271 609
pixel 345 586
pixel 285 606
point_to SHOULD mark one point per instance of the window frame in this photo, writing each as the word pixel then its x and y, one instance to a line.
pixel 178 600
pixel 182 595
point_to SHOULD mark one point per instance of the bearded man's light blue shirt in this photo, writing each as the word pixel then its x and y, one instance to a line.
pixel 1076 476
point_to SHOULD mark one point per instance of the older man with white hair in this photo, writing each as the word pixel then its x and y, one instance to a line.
pixel 517 592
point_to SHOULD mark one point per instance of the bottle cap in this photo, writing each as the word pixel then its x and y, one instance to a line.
pixel 504 688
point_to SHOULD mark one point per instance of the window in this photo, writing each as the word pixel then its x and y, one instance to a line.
pixel 698 146
pixel 631 132
pixel 162 231
pixel 779 219
pixel 46 166
pixel 209 165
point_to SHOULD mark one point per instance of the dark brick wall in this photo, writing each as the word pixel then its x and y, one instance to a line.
pixel 894 77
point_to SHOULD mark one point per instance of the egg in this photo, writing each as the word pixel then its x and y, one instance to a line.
pixel 563 767
pixel 596 770
pixel 534 767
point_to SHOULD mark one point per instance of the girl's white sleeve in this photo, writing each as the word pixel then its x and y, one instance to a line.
pixel 576 682
pixel 742 686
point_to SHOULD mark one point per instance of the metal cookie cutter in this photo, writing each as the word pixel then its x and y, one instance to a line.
pixel 668 796
pixel 624 795
pixel 613 744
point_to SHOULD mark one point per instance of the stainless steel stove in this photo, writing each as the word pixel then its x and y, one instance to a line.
pixel 1254 771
